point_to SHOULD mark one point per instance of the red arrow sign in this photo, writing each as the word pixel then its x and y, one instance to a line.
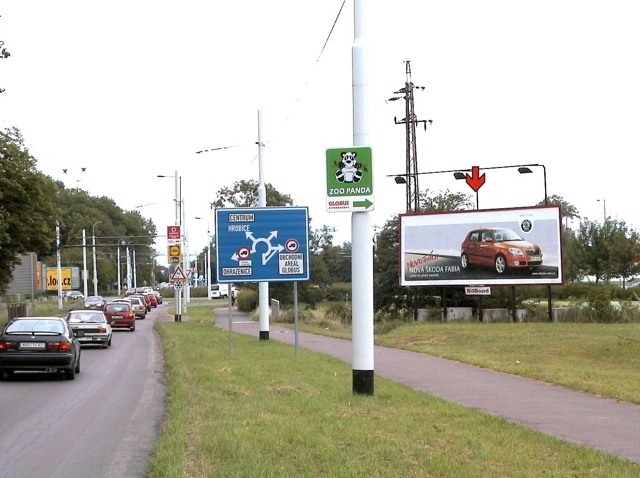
pixel 475 181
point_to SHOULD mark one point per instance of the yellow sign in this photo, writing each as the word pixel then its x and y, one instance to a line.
pixel 52 278
pixel 173 251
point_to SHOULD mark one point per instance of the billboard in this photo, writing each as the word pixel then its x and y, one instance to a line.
pixel 516 246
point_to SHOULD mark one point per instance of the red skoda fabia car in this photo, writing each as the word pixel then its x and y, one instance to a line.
pixel 499 248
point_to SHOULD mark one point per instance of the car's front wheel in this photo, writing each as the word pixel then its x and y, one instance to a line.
pixel 500 264
pixel 464 261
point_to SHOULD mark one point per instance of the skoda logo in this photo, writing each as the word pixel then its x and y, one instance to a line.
pixel 526 225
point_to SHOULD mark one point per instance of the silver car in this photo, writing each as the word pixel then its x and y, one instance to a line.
pixel 137 304
pixel 94 325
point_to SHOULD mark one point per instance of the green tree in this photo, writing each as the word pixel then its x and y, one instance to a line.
pixel 388 294
pixel 27 215
pixel 567 210
pixel 245 194
pixel 625 252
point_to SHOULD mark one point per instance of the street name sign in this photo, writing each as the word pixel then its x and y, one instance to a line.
pixel 349 179
pixel 266 244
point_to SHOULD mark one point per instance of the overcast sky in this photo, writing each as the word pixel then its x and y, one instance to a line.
pixel 132 89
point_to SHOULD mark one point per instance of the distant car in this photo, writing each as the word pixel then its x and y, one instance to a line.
pixel 158 296
pixel 145 299
pixel 120 314
pixel 39 344
pixel 137 304
pixel 74 294
pixel 94 302
pixel 94 324
pixel 130 291
pixel 499 248
pixel 152 298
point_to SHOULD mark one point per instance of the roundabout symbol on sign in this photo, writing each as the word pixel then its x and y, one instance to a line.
pixel 291 245
pixel 244 253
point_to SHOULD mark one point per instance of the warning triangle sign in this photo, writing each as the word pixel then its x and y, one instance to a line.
pixel 178 275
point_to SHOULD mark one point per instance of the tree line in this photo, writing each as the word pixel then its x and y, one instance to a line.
pixel 32 204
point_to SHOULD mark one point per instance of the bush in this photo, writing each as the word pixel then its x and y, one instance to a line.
pixel 340 312
pixel 247 300
pixel 339 291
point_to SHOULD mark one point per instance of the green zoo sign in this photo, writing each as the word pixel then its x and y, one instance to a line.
pixel 349 179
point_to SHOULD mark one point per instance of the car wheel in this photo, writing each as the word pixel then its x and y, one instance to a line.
pixel 132 329
pixel 71 374
pixel 109 342
pixel 500 264
pixel 77 369
pixel 105 344
pixel 464 261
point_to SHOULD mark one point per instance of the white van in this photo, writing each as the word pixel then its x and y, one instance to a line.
pixel 219 291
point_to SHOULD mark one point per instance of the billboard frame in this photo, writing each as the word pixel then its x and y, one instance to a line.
pixel 431 247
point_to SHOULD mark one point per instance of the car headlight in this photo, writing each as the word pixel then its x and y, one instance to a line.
pixel 515 251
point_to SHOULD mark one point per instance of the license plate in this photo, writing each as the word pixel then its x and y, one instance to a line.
pixel 116 317
pixel 535 259
pixel 32 345
pixel 85 339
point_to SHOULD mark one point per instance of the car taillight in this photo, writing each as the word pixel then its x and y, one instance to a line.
pixel 58 346
pixel 102 330
pixel 8 346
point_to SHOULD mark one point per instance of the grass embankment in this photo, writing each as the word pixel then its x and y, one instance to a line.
pixel 264 412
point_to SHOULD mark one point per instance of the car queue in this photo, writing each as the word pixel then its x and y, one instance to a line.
pixel 53 344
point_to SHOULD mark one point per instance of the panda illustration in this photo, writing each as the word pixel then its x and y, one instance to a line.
pixel 348 168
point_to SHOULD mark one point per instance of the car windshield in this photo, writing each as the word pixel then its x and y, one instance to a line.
pixel 33 326
pixel 86 317
pixel 93 299
pixel 502 235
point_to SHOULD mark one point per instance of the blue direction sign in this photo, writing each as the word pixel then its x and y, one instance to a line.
pixel 265 244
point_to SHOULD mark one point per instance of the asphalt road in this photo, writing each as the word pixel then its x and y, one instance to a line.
pixel 102 424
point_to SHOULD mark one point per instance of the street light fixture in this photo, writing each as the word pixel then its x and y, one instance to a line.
pixel 208 256
pixel 95 270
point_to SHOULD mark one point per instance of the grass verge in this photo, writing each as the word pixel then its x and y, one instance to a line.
pixel 263 412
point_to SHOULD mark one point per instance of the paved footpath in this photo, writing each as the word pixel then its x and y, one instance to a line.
pixel 606 425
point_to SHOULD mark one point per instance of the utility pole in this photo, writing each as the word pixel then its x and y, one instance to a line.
pixel 410 121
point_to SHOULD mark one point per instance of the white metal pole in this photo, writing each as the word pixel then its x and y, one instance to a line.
pixel 119 279
pixel 135 274
pixel 128 269
pixel 263 287
pixel 361 225
pixel 85 272
pixel 208 260
pixel 95 269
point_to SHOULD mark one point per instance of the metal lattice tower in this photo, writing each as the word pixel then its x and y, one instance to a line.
pixel 410 121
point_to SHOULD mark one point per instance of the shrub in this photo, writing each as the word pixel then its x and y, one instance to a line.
pixel 339 291
pixel 247 300
pixel 340 312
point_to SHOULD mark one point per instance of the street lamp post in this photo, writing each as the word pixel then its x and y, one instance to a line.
pixel 208 256
pixel 95 270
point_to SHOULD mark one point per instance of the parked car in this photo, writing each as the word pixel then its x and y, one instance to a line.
pixel 74 294
pixel 95 302
pixel 94 324
pixel 137 304
pixel 120 314
pixel 499 248
pixel 39 344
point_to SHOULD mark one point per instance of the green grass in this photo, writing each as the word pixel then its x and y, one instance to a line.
pixel 264 412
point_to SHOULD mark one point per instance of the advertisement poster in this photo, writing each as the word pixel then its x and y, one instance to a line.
pixel 515 246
